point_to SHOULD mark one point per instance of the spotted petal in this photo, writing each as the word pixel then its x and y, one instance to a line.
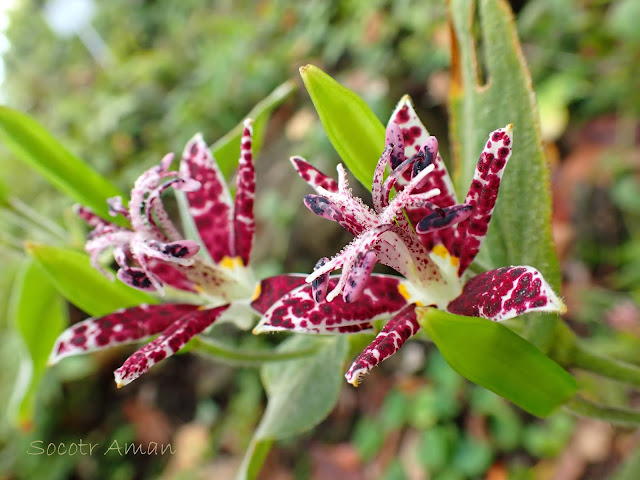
pixel 210 205
pixel 390 339
pixel 273 288
pixel 416 140
pixel 298 311
pixel 313 176
pixel 482 195
pixel 172 339
pixel 413 132
pixel 123 326
pixel 243 221
pixel 415 136
pixel 170 275
pixel 506 292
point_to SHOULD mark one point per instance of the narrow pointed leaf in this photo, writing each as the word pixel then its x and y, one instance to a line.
pixel 226 150
pixel 352 127
pixel 41 151
pixel 302 392
pixel 491 355
pixel 39 315
pixel 72 275
pixel 520 232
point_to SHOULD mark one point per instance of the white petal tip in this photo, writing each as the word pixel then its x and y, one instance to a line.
pixel 354 378
pixel 405 100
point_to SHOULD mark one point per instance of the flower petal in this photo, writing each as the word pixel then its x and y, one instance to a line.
pixel 210 206
pixel 483 194
pixel 117 328
pixel 506 292
pixel 172 339
pixel 415 138
pixel 414 135
pixel 90 218
pixel 170 275
pixel 298 310
pixel 273 288
pixel 313 176
pixel 397 331
pixel 357 328
pixel 244 224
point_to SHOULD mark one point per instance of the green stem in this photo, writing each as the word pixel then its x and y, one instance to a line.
pixel 40 220
pixel 583 358
pixel 617 416
pixel 11 241
pixel 244 357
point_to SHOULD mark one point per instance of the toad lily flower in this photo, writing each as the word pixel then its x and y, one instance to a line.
pixel 423 233
pixel 152 255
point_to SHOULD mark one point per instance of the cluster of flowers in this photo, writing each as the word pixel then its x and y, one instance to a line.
pixel 422 232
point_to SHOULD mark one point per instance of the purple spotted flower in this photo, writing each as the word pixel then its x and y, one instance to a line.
pixel 153 256
pixel 422 233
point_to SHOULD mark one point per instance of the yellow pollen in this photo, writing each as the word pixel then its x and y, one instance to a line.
pixel 441 251
pixel 256 292
pixel 402 290
pixel 231 262
pixel 198 288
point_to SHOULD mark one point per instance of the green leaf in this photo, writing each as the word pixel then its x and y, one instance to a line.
pixel 352 127
pixel 40 150
pixel 520 232
pixel 4 193
pixel 39 314
pixel 491 355
pixel 253 459
pixel 73 276
pixel 226 151
pixel 301 393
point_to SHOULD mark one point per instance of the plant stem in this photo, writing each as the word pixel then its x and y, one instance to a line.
pixel 12 242
pixel 244 357
pixel 617 416
pixel 582 358
pixel 40 220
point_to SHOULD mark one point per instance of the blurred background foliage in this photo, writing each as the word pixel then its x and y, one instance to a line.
pixel 138 78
